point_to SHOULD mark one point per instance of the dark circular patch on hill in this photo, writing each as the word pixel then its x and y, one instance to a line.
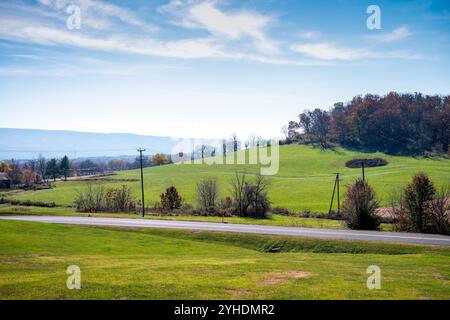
pixel 368 163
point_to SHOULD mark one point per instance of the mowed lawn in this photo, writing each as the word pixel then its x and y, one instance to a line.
pixel 163 264
pixel 304 181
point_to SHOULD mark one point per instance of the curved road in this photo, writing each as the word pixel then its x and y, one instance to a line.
pixel 396 237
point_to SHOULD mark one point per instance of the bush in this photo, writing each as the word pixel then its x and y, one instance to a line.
pixel 227 207
pixel 359 207
pixel 170 199
pixel 120 200
pixel 418 196
pixel 421 209
pixel 92 200
pixel 207 193
pixel 281 211
pixel 27 203
pixel 440 212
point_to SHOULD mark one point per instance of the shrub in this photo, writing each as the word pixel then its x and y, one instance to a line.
pixel 359 207
pixel 90 199
pixel 227 207
pixel 120 200
pixel 418 196
pixel 207 193
pixel 97 199
pixel 170 199
pixel 440 212
pixel 27 203
pixel 281 211
pixel 398 211
pixel 419 208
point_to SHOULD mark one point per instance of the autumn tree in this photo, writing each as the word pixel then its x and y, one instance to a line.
pixel 159 159
pixel 5 167
pixel 394 123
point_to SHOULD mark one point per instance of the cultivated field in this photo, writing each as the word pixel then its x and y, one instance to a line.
pixel 164 264
pixel 304 181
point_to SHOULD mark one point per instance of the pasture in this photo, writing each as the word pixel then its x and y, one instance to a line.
pixel 304 181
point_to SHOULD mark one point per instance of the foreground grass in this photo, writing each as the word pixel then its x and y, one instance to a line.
pixel 274 220
pixel 167 264
pixel 304 181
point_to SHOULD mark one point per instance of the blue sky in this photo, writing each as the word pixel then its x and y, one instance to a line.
pixel 209 68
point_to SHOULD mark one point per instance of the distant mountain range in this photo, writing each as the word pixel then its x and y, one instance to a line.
pixel 29 143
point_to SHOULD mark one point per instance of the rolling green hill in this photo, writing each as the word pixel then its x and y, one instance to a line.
pixel 304 181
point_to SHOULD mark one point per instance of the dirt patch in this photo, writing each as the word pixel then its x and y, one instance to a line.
pixel 238 293
pixel 278 277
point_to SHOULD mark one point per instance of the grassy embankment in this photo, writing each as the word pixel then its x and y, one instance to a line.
pixel 168 264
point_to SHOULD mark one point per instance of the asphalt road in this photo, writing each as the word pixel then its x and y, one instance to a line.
pixel 395 237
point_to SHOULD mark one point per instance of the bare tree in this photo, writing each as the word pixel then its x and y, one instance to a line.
pixel 41 166
pixel 238 191
pixel 207 194
pixel 250 198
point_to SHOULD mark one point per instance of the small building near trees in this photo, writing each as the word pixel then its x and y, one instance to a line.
pixel 5 181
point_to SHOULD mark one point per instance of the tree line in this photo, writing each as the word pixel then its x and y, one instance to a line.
pixel 32 172
pixel 397 123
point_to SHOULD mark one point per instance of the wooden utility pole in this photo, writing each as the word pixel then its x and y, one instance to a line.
pixel 338 196
pixel 141 158
pixel 335 188
pixel 363 173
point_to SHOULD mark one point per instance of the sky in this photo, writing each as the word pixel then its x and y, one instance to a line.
pixel 210 68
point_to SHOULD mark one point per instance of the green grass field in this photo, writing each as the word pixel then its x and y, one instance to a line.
pixel 304 181
pixel 163 264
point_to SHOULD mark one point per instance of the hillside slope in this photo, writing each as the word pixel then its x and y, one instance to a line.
pixel 304 181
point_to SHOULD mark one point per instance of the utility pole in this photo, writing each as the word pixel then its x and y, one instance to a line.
pixel 336 186
pixel 338 197
pixel 141 158
pixel 363 173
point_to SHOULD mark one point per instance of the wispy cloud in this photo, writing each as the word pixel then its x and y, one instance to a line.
pixel 309 35
pixel 329 51
pixel 98 14
pixel 228 34
pixel 221 24
pixel 394 35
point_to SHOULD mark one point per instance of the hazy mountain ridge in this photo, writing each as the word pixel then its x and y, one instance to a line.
pixel 29 143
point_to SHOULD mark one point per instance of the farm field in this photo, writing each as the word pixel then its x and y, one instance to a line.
pixel 161 264
pixel 304 181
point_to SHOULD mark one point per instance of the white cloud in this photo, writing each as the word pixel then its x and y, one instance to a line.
pixel 230 26
pixel 227 37
pixel 396 34
pixel 97 14
pixel 309 35
pixel 329 51
pixel 30 32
